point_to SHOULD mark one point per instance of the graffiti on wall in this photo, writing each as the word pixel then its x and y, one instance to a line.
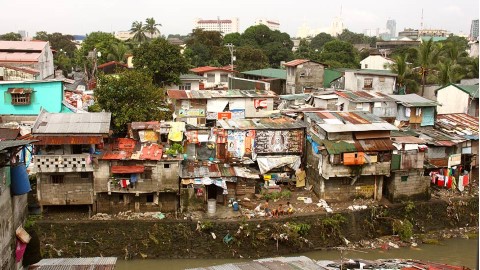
pixel 278 141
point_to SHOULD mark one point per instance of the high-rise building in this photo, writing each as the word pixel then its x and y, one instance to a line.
pixel 272 24
pixel 24 34
pixel 224 26
pixel 392 28
pixel 474 30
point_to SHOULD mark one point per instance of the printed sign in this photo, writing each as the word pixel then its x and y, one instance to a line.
pixel 279 141
pixel 224 115
pixel 260 104
pixel 191 112
pixel 455 159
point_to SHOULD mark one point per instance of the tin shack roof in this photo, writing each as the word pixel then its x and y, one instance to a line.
pixel 207 94
pixel 364 96
pixel 263 123
pixel 72 123
pixel 459 124
pixel 413 100
pixel 336 121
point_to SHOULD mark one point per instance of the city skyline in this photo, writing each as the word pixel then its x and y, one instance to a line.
pixel 178 17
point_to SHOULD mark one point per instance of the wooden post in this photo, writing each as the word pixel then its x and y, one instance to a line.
pixel 375 189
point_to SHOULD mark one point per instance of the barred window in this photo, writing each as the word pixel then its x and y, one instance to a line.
pixel 21 99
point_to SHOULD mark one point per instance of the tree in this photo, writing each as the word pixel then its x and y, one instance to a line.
pixel 319 40
pixel 161 59
pixel 405 75
pixel 204 48
pixel 151 27
pixel 304 50
pixel 117 52
pixel 449 72
pixel 41 35
pixel 11 37
pixel 138 31
pixel 249 58
pixel 64 43
pixel 130 97
pixel 232 38
pixel 427 56
pixel 337 53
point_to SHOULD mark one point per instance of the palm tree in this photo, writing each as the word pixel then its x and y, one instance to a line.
pixel 117 52
pixel 427 56
pixel 405 74
pixel 151 27
pixel 448 72
pixel 138 32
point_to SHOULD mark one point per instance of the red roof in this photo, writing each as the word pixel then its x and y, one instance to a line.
pixel 201 70
pixel 125 144
pixel 111 63
pixel 128 169
pixel 116 155
pixel 296 62
pixel 151 152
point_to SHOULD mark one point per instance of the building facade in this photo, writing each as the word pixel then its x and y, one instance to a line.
pixel 272 24
pixel 35 55
pixel 225 26
pixel 304 76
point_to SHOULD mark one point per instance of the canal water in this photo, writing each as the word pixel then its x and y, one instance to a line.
pixel 451 251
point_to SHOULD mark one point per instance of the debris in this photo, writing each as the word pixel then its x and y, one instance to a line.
pixel 246 199
pixel 214 236
pixel 324 204
pixel 357 207
pixel 307 200
pixel 393 245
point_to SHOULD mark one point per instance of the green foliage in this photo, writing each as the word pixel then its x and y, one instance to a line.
pixel 176 148
pixel 354 38
pixel 285 194
pixel 339 53
pixel 151 27
pixel 319 40
pixel 11 37
pixel 406 77
pixel 131 97
pixel 161 59
pixel 250 58
pixel 404 229
pixel 301 229
pixel 138 31
pixel 31 220
pixel 206 226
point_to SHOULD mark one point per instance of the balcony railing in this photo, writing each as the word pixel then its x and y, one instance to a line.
pixel 63 163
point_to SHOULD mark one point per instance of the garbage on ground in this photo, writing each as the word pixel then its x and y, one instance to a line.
pixel 357 207
pixel 324 204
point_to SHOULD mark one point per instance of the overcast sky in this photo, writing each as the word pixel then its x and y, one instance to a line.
pixel 177 16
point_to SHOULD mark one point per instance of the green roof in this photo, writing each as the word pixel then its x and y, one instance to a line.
pixel 329 75
pixel 335 147
pixel 268 72
pixel 472 90
pixel 434 39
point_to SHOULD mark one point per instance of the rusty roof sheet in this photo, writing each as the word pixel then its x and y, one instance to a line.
pixel 192 169
pixel 104 263
pixel 151 152
pixel 125 144
pixel 61 140
pixel 201 70
pixel 14 143
pixel 458 123
pixel 364 96
pixel 208 94
pixel 374 145
pixel 296 62
pixel 154 125
pixel 413 100
pixel 28 70
pixel 262 123
pixel 407 139
pixel 9 133
pixel 115 155
pixel 72 123
pixel 127 169
pixel 334 122
pixel 437 137
pixel 226 170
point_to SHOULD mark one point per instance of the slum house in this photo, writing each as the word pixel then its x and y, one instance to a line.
pixel 452 149
pixel 247 84
pixel 407 180
pixel 204 108
pixel 135 173
pixel 376 103
pixel 326 100
pixel 304 76
pixel 276 77
pixel 12 73
pixel 295 101
pixel 14 186
pixel 366 79
pixel 348 154
pixel 65 156
pixel 189 82
pixel 458 98
pixel 229 160
pixel 35 55
pixel 215 77
pixel 414 110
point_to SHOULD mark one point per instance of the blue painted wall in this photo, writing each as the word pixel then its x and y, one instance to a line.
pixel 47 95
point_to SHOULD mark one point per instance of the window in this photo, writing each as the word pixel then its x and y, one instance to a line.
pixel 211 78
pixel 366 65
pixel 166 165
pixel 223 77
pixel 382 79
pixel 185 86
pixel 84 175
pixel 147 173
pixel 21 99
pixel 56 179
pixel 149 198
pixel 367 83
pixel 404 178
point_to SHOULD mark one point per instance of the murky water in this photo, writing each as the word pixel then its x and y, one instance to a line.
pixel 452 251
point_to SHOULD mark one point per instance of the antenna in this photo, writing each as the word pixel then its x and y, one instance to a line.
pixel 341 7
pixel 421 21
pixel 219 24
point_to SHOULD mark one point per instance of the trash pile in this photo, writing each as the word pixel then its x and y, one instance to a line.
pixel 129 215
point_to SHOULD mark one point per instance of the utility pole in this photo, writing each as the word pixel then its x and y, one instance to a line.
pixel 230 47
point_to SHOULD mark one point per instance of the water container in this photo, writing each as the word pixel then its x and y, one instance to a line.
pixel 20 183
pixel 235 206
pixel 212 206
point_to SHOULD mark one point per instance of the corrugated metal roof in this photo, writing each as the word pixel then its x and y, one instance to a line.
pixel 279 263
pixel 374 145
pixel 294 96
pixel 262 123
pixel 207 94
pixel 269 73
pixel 338 147
pixel 127 169
pixel 13 143
pixel 364 96
pixel 190 77
pixel 413 100
pixel 72 123
pixel 60 140
pixel 104 263
pixel 379 72
pixel 408 139
pixel 23 45
pixel 459 124
pixel 204 69
pixel 348 121
pixel 146 125
pixel 151 152
pixel 191 169
pixel 9 133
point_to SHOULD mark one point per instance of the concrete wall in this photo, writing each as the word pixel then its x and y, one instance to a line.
pixel 376 62
pixel 415 186
pixel 355 82
pixel 217 82
pixel 73 191
pixel 10 74
pixel 145 202
pixel 45 63
pixel 308 74
pixel 452 100
pixel 47 95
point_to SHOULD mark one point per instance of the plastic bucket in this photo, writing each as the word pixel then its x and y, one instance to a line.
pixel 235 206
pixel 20 183
pixel 211 206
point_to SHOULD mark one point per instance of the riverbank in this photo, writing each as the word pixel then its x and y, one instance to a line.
pixel 258 237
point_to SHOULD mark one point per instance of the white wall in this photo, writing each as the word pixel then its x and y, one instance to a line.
pixel 453 100
pixel 376 62
pixel 355 82
pixel 217 79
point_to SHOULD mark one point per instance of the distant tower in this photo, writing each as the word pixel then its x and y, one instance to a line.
pixel 421 21
pixel 24 34
pixel 392 28
pixel 474 30
pixel 337 25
